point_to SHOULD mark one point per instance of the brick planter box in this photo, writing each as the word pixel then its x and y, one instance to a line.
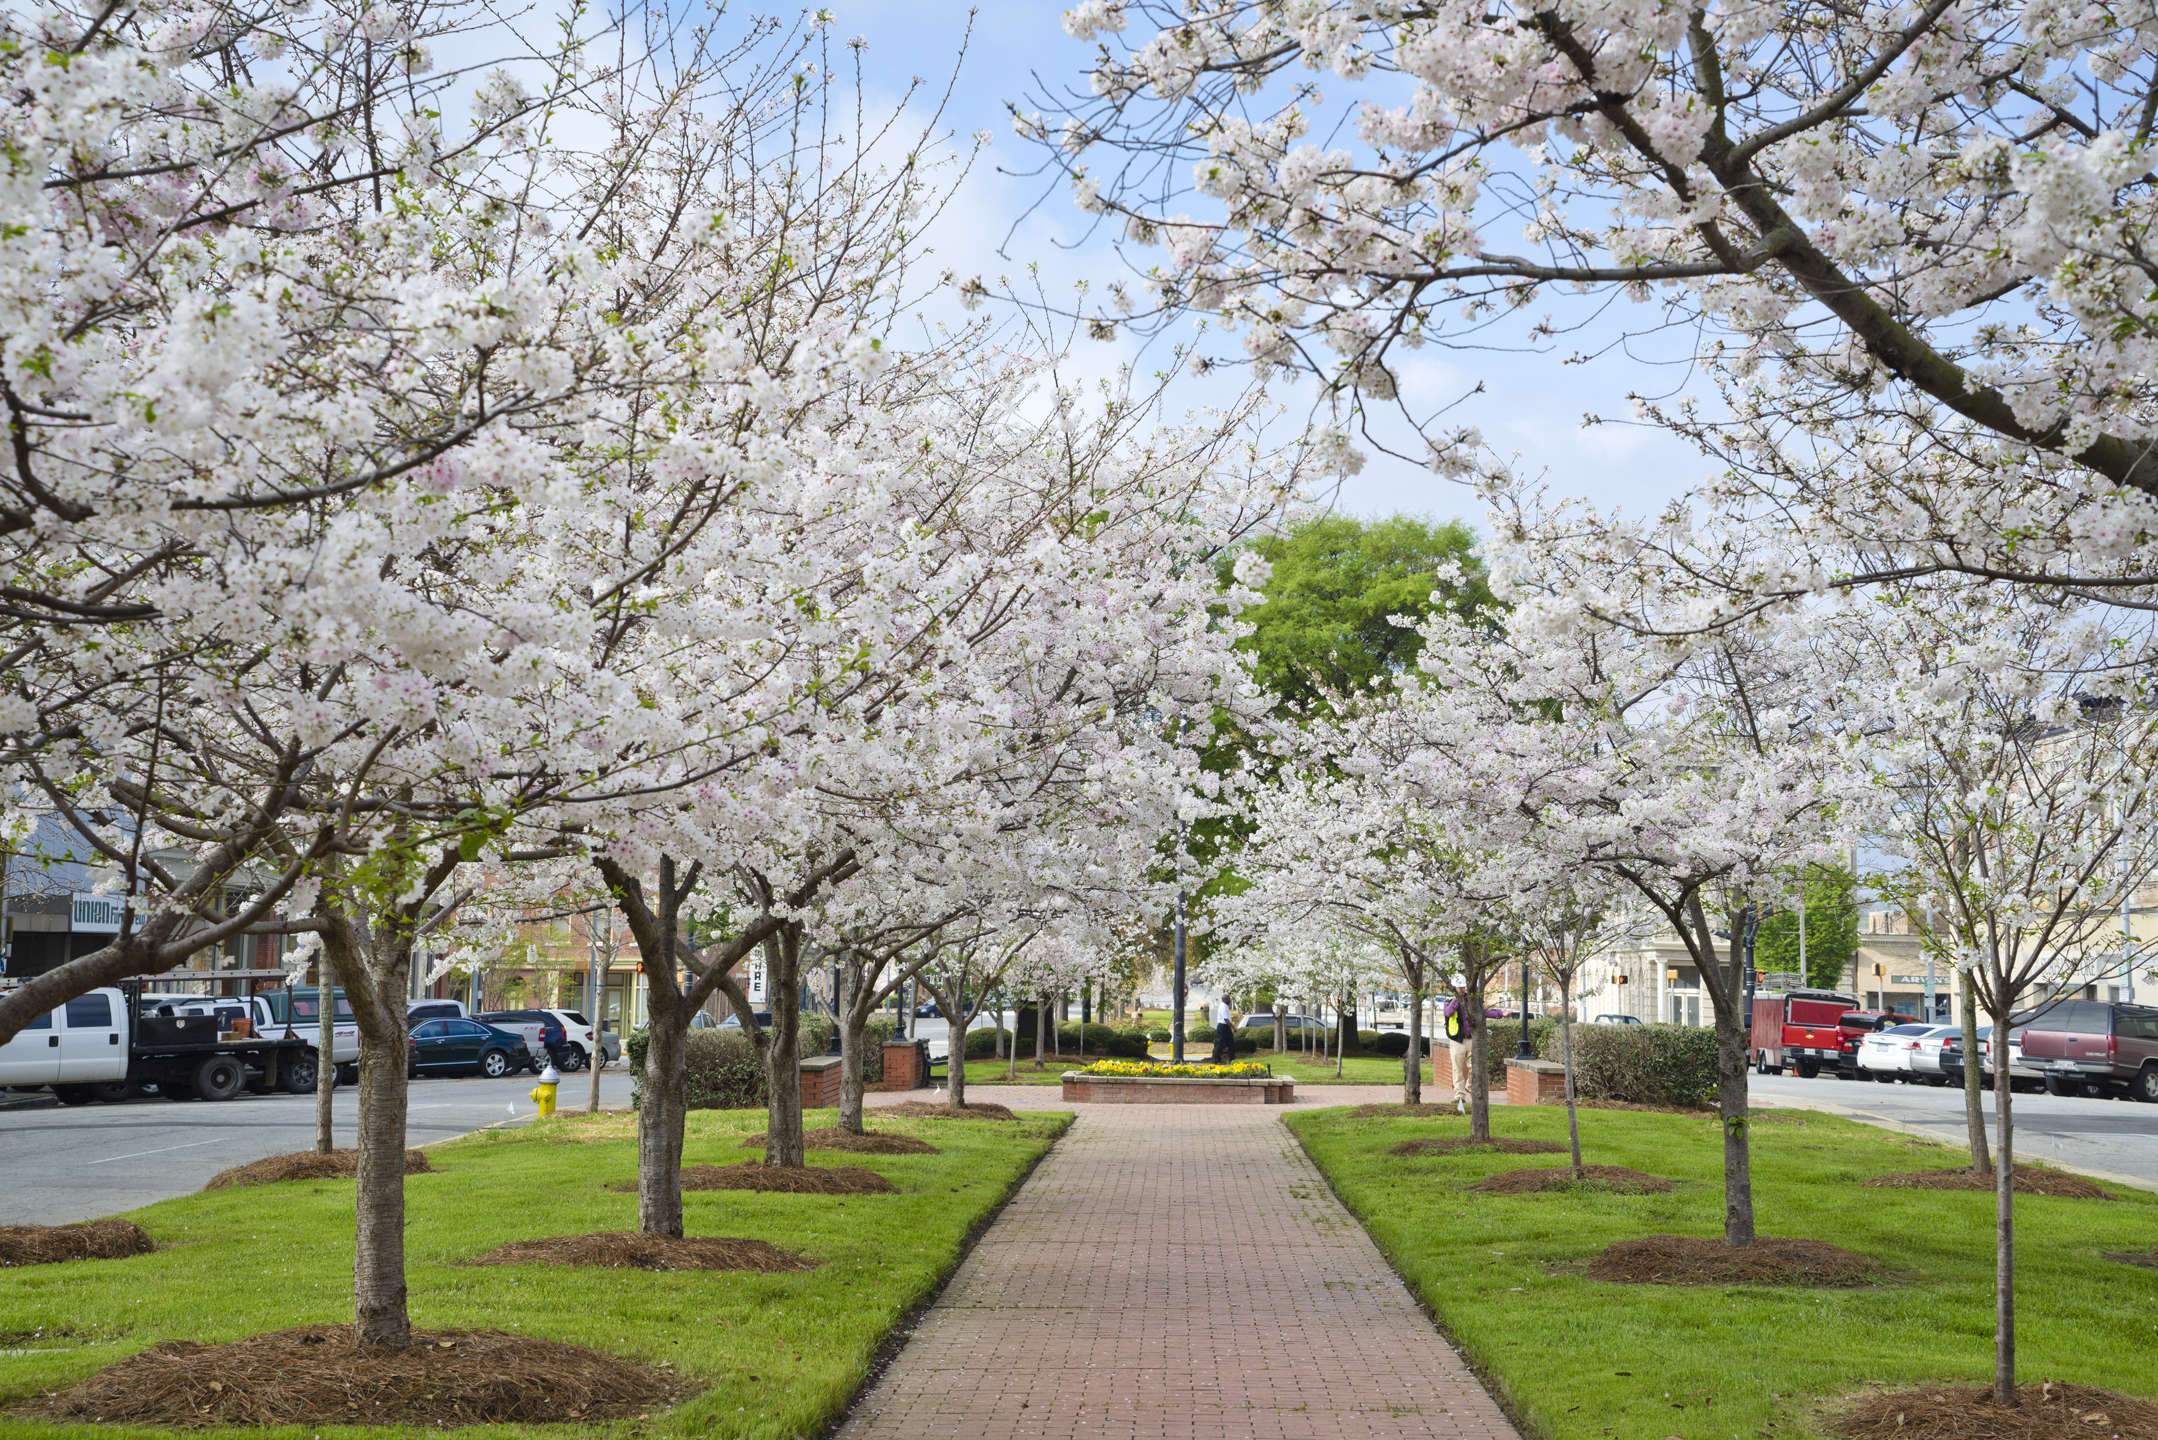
pixel 1167 1090
pixel 1535 1082
pixel 820 1081
pixel 905 1066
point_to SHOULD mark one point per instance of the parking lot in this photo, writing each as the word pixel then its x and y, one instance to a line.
pixel 79 1161
pixel 2115 1139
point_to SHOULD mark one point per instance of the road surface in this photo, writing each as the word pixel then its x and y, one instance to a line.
pixel 76 1162
pixel 2112 1139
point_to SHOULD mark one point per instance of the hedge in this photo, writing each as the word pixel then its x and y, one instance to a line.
pixel 1246 1040
pixel 1640 1064
pixel 1102 1041
pixel 724 1070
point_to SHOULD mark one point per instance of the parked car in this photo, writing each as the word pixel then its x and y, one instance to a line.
pixel 928 1010
pixel 1855 1026
pixel 1885 1055
pixel 450 1044
pixel 1264 1020
pixel 420 1010
pixel 2091 1047
pixel 544 1035
pixel 580 1039
pixel 1926 1055
pixel 1618 1020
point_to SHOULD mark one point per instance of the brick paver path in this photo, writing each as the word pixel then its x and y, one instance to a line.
pixel 1172 1272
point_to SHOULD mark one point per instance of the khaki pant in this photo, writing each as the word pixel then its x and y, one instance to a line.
pixel 1459 1058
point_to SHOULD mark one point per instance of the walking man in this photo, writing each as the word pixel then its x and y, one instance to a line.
pixel 1224 1036
pixel 1462 1018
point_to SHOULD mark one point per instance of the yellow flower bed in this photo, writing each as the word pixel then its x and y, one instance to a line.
pixel 1157 1070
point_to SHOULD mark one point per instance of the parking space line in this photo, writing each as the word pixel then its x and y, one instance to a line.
pixel 166 1150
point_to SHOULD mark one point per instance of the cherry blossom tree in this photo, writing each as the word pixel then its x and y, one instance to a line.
pixel 2010 755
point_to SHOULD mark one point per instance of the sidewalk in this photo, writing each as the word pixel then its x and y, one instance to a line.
pixel 1114 1297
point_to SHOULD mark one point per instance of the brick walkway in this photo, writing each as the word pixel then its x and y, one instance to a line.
pixel 1172 1272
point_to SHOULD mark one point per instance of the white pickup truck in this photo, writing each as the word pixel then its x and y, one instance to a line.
pixel 112 1043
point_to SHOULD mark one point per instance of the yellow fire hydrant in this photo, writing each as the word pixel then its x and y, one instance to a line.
pixel 543 1093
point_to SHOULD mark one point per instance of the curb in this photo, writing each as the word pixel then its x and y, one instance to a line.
pixel 1920 1132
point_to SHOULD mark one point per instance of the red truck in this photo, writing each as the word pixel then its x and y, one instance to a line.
pixel 1801 1030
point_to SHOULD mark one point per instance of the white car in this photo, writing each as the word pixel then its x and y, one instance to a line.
pixel 1925 1058
pixel 1885 1055
pixel 579 1031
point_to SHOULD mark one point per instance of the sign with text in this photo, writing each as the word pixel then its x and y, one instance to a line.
pixel 757 981
pixel 97 914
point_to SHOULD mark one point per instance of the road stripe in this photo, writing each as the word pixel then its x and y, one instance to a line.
pixel 137 1155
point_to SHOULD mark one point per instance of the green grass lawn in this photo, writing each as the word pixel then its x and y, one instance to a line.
pixel 1574 1357
pixel 1356 1070
pixel 780 1354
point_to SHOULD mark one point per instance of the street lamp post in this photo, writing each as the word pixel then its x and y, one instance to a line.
pixel 1527 1052
pixel 1176 1014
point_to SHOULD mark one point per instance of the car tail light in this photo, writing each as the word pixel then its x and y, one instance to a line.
pixel 587 1034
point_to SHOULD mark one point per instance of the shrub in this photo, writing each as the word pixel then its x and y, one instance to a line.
pixel 1391 1042
pixel 879 1030
pixel 1640 1064
pixel 815 1034
pixel 1103 1040
pixel 982 1044
pixel 725 1072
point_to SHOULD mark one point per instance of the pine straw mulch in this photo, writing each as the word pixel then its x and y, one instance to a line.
pixel 2030 1180
pixel 1968 1412
pixel 318 1375
pixel 306 1165
pixel 831 1137
pixel 1397 1109
pixel 972 1110
pixel 781 1179
pixel 1546 1178
pixel 1695 1260
pixel 2148 1259
pixel 90 1240
pixel 1464 1145
pixel 635 1250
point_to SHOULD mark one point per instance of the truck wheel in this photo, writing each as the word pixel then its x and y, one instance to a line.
pixel 494 1064
pixel 1808 1069
pixel 2146 1085
pixel 72 1094
pixel 302 1071
pixel 219 1077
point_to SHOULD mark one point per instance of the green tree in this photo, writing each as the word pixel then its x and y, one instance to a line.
pixel 1831 929
pixel 1324 625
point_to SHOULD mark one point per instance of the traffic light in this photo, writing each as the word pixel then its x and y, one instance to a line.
pixel 1620 980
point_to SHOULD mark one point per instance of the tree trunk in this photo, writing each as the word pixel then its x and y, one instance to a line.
pixel 1732 1064
pixel 783 1142
pixel 1974 1108
pixel 1566 1057
pixel 955 1073
pixel 378 1266
pixel 853 1047
pixel 1041 1033
pixel 1281 1025
pixel 1346 1018
pixel 1412 1078
pixel 325 1057
pixel 2004 1224
pixel 661 1103
pixel 1479 1074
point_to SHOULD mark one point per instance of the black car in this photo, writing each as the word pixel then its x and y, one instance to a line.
pixel 450 1046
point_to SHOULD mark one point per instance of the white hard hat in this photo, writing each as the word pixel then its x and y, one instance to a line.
pixel 550 1076
pixel 1461 981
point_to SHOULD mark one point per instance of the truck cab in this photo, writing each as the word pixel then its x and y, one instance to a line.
pixel 84 1042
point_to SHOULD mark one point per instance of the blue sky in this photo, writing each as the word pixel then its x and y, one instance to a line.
pixel 1532 403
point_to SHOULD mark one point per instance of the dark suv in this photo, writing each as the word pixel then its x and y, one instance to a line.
pixel 2092 1047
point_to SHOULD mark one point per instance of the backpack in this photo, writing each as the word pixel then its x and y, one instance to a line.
pixel 1457 1024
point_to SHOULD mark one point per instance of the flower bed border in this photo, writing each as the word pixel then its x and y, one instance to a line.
pixel 1174 1090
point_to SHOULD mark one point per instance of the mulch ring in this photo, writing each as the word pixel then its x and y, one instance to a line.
pixel 2030 1180
pixel 2148 1259
pixel 781 1179
pixel 635 1250
pixel 1545 1178
pixel 1969 1412
pixel 1462 1144
pixel 306 1165
pixel 318 1375
pixel 1396 1110
pixel 831 1137
pixel 90 1240
pixel 972 1110
pixel 1695 1260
